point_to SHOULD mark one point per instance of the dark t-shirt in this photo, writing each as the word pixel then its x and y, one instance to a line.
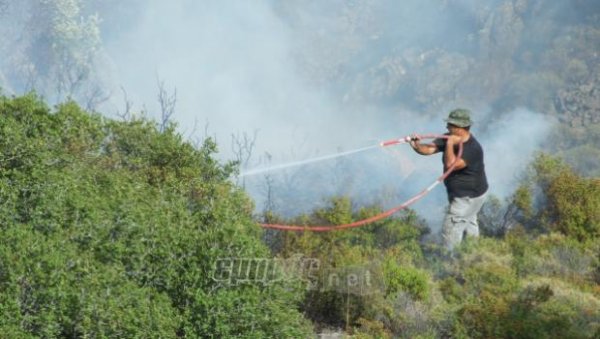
pixel 471 180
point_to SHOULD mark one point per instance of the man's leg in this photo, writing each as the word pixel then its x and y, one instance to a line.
pixel 460 218
pixel 454 224
pixel 475 204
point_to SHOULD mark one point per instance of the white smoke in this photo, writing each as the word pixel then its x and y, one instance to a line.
pixel 293 72
pixel 510 143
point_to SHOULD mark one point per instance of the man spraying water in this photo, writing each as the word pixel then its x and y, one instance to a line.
pixel 467 184
pixel 464 176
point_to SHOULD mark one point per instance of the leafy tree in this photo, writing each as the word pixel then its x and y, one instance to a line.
pixel 59 51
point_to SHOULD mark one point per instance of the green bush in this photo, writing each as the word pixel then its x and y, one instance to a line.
pixel 569 203
pixel 410 280
pixel 113 229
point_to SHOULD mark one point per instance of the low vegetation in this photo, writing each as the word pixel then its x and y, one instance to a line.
pixel 122 229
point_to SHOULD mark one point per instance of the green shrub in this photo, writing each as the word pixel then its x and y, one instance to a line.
pixel 399 278
pixel 574 206
pixel 113 229
pixel 565 202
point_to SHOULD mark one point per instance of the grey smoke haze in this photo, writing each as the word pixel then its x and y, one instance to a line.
pixel 316 77
pixel 510 144
pixel 232 65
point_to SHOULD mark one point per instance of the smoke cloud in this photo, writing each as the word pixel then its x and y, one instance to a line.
pixel 312 78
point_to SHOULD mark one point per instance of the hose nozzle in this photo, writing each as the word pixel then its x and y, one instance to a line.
pixel 390 142
pixel 395 141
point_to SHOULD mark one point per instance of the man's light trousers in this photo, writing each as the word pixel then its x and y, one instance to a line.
pixel 461 218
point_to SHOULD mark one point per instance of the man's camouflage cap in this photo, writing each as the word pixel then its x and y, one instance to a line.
pixel 460 117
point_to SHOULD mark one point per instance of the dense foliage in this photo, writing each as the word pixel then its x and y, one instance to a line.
pixel 112 229
pixel 536 273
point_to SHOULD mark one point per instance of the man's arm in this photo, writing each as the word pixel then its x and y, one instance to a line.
pixel 450 156
pixel 423 149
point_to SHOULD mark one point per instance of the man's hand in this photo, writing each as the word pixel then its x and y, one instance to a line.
pixel 414 140
pixel 423 149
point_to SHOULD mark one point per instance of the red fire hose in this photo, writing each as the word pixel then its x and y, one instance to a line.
pixel 388 212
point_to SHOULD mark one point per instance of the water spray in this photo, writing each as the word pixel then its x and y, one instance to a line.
pixel 304 162
pixel 386 143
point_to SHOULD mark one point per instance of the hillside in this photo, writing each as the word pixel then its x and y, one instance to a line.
pixel 118 229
